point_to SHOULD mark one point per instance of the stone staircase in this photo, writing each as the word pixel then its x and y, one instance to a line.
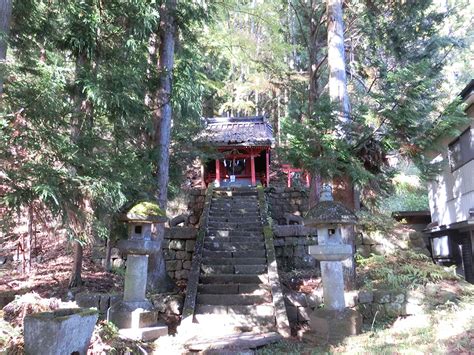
pixel 234 289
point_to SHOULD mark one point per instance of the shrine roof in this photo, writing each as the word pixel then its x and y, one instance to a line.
pixel 237 131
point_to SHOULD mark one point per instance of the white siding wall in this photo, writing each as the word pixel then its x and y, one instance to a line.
pixel 451 195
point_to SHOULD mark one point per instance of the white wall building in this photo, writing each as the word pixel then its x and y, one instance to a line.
pixel 451 196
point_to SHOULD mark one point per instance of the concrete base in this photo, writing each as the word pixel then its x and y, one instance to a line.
pixel 329 326
pixel 132 315
pixel 144 334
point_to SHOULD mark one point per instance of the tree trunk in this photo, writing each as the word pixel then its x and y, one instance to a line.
pixel 76 279
pixel 82 112
pixel 5 18
pixel 336 59
pixel 339 96
pixel 158 279
pixel 29 242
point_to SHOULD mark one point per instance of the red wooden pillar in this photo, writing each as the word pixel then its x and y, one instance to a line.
pixel 252 169
pixel 203 178
pixel 289 177
pixel 218 172
pixel 308 180
pixel 267 156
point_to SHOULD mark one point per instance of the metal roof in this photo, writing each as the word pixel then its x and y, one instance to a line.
pixel 237 131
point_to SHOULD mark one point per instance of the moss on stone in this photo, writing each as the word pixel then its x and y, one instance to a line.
pixel 147 208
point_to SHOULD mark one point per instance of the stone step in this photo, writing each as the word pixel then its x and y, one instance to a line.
pixel 239 322
pixel 234 269
pixel 233 279
pixel 234 261
pixel 254 311
pixel 242 211
pixel 234 254
pixel 235 219
pixel 232 299
pixel 229 225
pixel 229 246
pixel 235 198
pixel 213 238
pixel 233 233
pixel 235 204
pixel 249 289
pixel 227 193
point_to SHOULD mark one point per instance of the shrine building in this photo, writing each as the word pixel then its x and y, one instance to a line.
pixel 244 144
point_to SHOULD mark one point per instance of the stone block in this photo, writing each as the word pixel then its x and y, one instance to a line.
pixel 314 300
pixel 183 233
pixel 397 297
pixel 292 313
pixel 381 296
pixel 393 310
pixel 169 254
pixel 88 300
pixel 168 304
pixel 288 251
pixel 365 296
pixel 333 326
pixel 296 299
pixel 181 255
pixel 171 274
pixel 278 242
pixel 364 250
pixel 412 309
pixel 190 245
pixel 104 303
pixel 182 274
pixel 126 315
pixel 144 334
pixel 415 296
pixel 115 253
pixel 64 331
pixel 177 244
pixel 304 313
pixel 119 262
pixel 173 265
pixel 187 264
pixel 350 298
pixel 193 219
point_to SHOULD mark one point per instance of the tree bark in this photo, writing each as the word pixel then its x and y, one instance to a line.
pixel 158 279
pixel 336 59
pixel 5 18
pixel 82 112
pixel 76 278
pixel 339 96
pixel 29 242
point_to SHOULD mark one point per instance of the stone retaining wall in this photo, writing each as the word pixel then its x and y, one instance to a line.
pixel 291 246
pixel 286 200
pixel 196 205
pixel 404 237
pixel 178 249
pixel 378 304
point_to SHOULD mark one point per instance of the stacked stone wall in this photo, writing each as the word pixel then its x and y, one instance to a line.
pixel 378 304
pixel 178 250
pixel 291 247
pixel 196 205
pixel 292 200
pixel 404 237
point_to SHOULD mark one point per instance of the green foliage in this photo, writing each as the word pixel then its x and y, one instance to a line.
pixel 405 269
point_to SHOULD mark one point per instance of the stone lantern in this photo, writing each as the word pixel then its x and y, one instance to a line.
pixel 134 315
pixel 333 321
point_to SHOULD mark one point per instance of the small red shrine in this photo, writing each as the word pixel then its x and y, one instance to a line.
pixel 245 144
